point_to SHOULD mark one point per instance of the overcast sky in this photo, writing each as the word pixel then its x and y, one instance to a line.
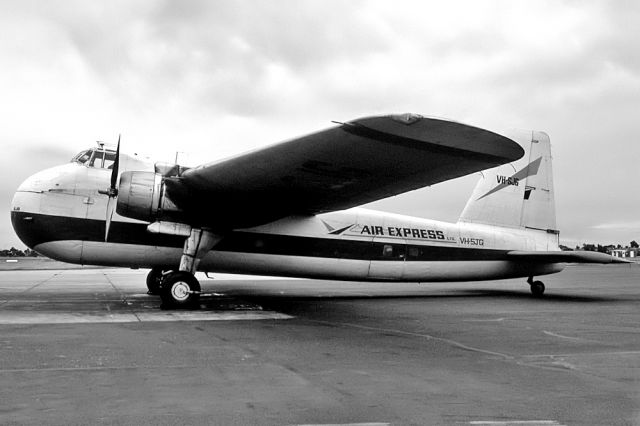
pixel 215 78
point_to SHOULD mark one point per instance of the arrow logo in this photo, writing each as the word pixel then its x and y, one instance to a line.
pixel 530 169
pixel 333 231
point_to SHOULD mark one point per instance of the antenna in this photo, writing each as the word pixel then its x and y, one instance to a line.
pixel 176 159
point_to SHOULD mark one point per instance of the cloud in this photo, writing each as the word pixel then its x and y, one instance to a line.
pixel 625 226
pixel 19 160
pixel 218 78
pixel 233 57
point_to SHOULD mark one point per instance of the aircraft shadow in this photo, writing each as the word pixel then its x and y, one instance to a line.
pixel 457 294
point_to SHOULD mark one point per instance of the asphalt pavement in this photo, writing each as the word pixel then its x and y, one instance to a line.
pixel 91 347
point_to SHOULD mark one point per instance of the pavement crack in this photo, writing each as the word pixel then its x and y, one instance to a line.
pixel 576 339
pixel 123 297
pixel 423 335
pixel 5 302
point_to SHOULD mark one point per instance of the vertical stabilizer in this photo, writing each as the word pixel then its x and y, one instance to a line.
pixel 519 194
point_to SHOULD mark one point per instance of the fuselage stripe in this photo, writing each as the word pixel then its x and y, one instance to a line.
pixel 36 229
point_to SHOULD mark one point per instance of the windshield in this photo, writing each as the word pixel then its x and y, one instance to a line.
pixel 98 158
pixel 82 157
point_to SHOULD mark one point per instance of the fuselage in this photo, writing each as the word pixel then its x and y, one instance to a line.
pixel 60 213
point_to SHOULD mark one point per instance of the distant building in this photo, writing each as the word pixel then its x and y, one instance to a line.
pixel 626 252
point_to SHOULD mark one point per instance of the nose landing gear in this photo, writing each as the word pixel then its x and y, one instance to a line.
pixel 537 287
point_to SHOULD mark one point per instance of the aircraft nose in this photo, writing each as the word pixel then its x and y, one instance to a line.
pixel 47 180
pixel 24 206
pixel 27 206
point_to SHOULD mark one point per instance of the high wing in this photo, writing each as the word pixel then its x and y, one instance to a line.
pixel 344 166
pixel 564 257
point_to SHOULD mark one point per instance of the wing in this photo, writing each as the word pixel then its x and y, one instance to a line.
pixel 345 166
pixel 565 257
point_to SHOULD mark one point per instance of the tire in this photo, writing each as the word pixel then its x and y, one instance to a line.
pixel 180 290
pixel 154 281
pixel 537 288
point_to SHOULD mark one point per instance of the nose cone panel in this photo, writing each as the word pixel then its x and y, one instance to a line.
pixel 23 227
pixel 49 192
pixel 59 178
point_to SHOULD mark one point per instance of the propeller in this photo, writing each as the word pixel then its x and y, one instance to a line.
pixel 112 192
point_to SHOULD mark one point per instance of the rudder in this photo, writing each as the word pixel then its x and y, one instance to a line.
pixel 519 194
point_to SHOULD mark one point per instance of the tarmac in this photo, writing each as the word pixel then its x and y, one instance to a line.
pixel 91 347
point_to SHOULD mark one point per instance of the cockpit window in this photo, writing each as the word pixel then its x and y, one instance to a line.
pixel 82 157
pixel 98 158
pixel 102 159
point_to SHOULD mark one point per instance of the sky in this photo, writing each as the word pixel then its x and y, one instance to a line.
pixel 210 79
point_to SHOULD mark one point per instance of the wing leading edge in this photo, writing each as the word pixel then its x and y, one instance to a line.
pixel 344 166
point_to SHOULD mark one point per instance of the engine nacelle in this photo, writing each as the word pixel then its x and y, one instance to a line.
pixel 141 195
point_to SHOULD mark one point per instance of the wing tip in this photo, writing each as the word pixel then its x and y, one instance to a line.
pixel 440 132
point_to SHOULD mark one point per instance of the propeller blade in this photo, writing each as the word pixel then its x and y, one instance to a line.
pixel 111 206
pixel 116 166
pixel 112 192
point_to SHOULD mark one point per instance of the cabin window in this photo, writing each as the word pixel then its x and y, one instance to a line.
pixel 414 252
pixel 393 252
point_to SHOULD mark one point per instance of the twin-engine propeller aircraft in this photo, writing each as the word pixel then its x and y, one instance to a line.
pixel 289 210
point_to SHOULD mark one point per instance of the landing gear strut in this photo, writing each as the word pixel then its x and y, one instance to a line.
pixel 181 289
pixel 537 287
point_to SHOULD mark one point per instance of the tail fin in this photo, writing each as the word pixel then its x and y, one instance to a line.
pixel 518 194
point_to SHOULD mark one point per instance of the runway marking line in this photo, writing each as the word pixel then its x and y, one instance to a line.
pixel 63 318
pixel 343 424
pixel 517 422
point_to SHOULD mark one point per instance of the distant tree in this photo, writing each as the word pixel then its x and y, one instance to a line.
pixel 633 244
pixel 16 252
pixel 565 248
pixel 31 253
pixel 588 247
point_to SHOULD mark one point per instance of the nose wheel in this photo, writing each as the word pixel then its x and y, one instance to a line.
pixel 180 289
pixel 537 287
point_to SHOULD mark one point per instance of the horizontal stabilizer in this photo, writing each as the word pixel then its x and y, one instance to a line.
pixel 565 257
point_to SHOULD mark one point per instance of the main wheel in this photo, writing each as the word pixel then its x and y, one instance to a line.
pixel 180 290
pixel 154 280
pixel 537 288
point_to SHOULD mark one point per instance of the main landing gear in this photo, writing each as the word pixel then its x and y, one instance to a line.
pixel 154 280
pixel 180 289
pixel 537 287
